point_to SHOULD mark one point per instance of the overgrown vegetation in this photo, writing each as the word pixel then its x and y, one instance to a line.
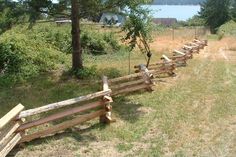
pixel 228 28
pixel 217 12
pixel 23 56
pixel 27 53
pixel 139 28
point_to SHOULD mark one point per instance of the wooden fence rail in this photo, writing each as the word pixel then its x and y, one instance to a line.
pixel 167 65
pixel 61 104
pixel 132 83
pixel 8 137
pixel 98 108
pixel 13 128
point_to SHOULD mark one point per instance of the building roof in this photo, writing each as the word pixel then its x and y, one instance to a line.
pixel 117 18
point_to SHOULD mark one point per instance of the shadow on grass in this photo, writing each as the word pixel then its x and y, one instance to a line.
pixel 75 133
pixel 127 110
pixel 44 90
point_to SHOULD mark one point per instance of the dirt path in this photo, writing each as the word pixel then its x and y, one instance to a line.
pixel 217 138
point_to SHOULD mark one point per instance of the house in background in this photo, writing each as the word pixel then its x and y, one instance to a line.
pixel 165 21
pixel 109 19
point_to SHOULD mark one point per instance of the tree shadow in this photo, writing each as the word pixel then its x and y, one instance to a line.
pixel 127 110
pixel 79 134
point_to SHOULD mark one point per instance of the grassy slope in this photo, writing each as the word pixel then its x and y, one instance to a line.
pixel 190 115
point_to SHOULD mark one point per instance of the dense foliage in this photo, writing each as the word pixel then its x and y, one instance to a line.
pixel 11 13
pixel 233 10
pixel 228 28
pixel 139 27
pixel 26 53
pixel 22 56
pixel 195 21
pixel 215 13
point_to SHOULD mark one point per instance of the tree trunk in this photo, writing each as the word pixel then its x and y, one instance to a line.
pixel 77 62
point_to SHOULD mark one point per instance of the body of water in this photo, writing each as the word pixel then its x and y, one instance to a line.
pixel 180 12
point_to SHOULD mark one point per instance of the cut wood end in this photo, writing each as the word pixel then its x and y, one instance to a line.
pixel 108 99
pixel 11 115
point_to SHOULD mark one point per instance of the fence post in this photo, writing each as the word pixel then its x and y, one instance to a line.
pixel 146 76
pixel 8 126
pixel 173 33
pixel 106 118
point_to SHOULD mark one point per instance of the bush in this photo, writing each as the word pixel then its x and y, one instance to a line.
pixel 87 73
pixel 93 42
pixel 111 39
pixel 24 57
pixel 99 43
pixel 196 21
pixel 228 28
pixel 11 58
pixel 26 53
pixel 111 72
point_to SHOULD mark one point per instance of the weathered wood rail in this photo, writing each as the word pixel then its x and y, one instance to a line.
pixel 133 82
pixel 168 64
pixel 98 107
pixel 165 68
pixel 16 125
pixel 8 125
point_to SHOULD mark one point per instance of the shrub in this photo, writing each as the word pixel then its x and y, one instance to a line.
pixel 228 28
pixel 93 42
pixel 87 72
pixel 26 53
pixel 111 39
pixel 11 59
pixel 24 57
pixel 99 43
pixel 111 72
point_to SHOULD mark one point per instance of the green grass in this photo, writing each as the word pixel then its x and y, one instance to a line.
pixel 181 117
pixel 171 117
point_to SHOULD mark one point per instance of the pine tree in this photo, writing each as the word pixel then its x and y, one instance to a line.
pixel 233 10
pixel 215 13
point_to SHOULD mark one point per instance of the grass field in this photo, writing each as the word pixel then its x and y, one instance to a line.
pixel 193 114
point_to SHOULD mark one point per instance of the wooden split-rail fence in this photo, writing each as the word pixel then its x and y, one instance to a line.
pixel 19 125
pixel 167 65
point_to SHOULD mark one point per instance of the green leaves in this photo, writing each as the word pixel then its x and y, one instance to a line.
pixel 11 13
pixel 138 27
pixel 215 13
pixel 233 10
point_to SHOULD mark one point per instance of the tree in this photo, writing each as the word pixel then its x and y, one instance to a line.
pixel 77 62
pixel 11 13
pixel 233 10
pixel 215 13
pixel 195 21
pixel 138 28
pixel 138 23
pixel 75 9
